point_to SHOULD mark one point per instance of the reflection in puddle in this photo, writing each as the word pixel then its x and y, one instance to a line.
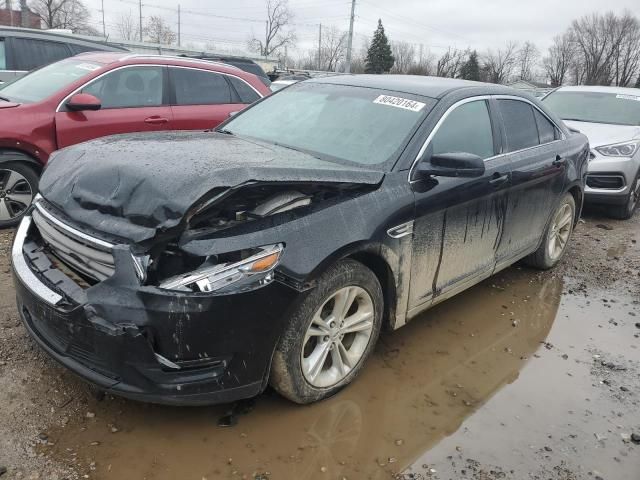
pixel 421 384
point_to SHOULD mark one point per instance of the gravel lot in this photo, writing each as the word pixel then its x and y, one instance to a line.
pixel 527 375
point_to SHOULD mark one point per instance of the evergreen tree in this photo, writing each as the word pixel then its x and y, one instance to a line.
pixel 379 58
pixel 471 68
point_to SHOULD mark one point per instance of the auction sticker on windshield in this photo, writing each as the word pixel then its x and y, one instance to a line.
pixel 400 102
pixel 628 97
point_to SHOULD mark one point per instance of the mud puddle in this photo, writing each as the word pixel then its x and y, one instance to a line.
pixel 475 388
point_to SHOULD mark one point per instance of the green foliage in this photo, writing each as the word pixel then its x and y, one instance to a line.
pixel 471 68
pixel 379 58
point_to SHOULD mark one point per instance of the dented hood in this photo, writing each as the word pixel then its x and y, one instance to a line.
pixel 132 186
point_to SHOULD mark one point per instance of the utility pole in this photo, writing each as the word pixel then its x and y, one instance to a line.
pixel 10 8
pixel 266 38
pixel 320 48
pixel 350 39
pixel 178 24
pixel 140 10
pixel 104 26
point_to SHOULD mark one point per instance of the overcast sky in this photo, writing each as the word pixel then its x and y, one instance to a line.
pixel 436 24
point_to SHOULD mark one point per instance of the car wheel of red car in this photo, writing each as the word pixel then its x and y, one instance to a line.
pixel 18 187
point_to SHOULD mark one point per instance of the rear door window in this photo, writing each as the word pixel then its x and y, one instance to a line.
pixel 36 53
pixel 3 56
pixel 199 87
pixel 245 92
pixel 129 87
pixel 546 130
pixel 519 124
pixel 466 129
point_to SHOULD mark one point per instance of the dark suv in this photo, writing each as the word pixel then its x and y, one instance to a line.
pixel 23 49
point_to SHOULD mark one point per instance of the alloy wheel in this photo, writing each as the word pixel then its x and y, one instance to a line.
pixel 337 337
pixel 560 232
pixel 16 194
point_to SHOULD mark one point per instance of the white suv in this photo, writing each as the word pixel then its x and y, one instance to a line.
pixel 610 118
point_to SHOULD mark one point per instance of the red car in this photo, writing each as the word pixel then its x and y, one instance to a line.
pixel 96 94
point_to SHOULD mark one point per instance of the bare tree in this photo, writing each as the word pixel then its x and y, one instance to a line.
pixel 277 32
pixel 157 31
pixel 528 56
pixel 333 50
pixel 64 14
pixel 450 62
pixel 627 55
pixel 499 64
pixel 128 27
pixel 559 58
pixel 405 56
pixel 598 39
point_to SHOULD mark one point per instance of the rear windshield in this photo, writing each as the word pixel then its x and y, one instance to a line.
pixel 44 82
pixel 346 124
pixel 596 107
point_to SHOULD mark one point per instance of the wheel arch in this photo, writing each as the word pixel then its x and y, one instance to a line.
pixel 379 259
pixel 578 196
pixel 8 155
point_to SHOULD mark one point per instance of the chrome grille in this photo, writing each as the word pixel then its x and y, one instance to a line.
pixel 85 254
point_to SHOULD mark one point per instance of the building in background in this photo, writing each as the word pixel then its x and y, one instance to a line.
pixel 22 17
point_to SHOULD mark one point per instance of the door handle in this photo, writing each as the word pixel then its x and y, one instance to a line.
pixel 156 120
pixel 498 179
pixel 559 161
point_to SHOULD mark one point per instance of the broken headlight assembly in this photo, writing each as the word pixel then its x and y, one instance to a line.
pixel 247 274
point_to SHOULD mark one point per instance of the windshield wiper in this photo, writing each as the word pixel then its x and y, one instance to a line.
pixel 226 132
pixel 5 99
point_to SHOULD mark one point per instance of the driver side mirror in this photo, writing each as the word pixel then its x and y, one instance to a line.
pixel 83 101
pixel 457 164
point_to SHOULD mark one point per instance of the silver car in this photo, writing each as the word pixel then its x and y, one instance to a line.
pixel 610 118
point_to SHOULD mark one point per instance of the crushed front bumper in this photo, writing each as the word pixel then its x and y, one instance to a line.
pixel 146 343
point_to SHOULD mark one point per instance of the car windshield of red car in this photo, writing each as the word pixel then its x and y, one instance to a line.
pixel 44 82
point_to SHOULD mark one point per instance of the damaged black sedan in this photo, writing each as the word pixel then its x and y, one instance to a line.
pixel 199 267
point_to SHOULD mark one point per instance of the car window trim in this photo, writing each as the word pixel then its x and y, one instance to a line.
pixel 66 98
pixel 219 73
pixel 525 100
pixel 425 145
pixel 95 79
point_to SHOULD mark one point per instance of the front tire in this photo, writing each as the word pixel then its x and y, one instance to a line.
pixel 330 335
pixel 556 237
pixel 18 187
pixel 626 211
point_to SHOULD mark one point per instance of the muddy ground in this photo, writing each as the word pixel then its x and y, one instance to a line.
pixel 528 375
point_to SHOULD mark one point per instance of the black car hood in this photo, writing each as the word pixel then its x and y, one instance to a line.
pixel 132 186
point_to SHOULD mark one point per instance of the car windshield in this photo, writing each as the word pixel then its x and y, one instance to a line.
pixel 45 81
pixel 596 107
pixel 346 124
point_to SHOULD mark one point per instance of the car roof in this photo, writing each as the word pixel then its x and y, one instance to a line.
pixel 601 89
pixel 108 58
pixel 434 87
pixel 57 36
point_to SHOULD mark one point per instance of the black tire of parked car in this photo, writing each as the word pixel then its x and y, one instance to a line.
pixel 626 211
pixel 31 178
pixel 541 258
pixel 286 370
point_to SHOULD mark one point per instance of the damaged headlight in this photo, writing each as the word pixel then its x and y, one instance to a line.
pixel 247 274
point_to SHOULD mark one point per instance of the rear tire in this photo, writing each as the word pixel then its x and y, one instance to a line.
pixel 626 211
pixel 322 351
pixel 18 187
pixel 556 237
